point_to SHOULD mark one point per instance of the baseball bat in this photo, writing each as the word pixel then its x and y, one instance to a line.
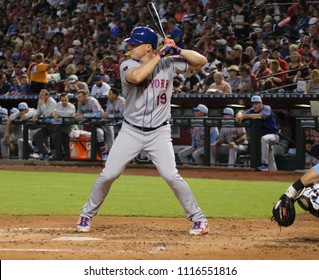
pixel 153 11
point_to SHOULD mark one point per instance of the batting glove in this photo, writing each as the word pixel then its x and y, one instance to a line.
pixel 169 48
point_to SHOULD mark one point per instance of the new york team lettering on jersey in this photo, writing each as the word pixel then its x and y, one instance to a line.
pixel 148 104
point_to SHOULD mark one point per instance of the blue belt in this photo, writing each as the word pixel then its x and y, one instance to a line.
pixel 146 129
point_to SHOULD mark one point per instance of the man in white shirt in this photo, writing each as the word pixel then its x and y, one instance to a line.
pixel 100 88
pixel 63 109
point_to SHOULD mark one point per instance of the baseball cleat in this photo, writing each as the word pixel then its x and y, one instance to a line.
pixel 83 224
pixel 262 167
pixel 104 157
pixel 199 227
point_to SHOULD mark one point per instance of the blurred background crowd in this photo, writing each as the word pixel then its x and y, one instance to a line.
pixel 258 45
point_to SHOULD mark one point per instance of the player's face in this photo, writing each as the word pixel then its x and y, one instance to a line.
pixel 23 112
pixel 112 96
pixel 257 106
pixel 81 98
pixel 138 50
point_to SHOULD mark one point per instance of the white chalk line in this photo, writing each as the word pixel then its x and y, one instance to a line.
pixel 65 250
pixel 153 250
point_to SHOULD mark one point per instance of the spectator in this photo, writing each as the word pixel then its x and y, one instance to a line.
pixel 100 88
pixel 26 87
pixel 219 86
pixel 269 129
pixel 237 54
pixel 264 55
pixel 74 81
pixel 276 81
pixel 262 73
pixel 240 21
pixel 234 78
pixel 16 88
pixel 248 81
pixel 82 71
pixel 251 53
pixel 38 72
pixel 209 79
pixel 175 33
pixel 313 83
pixel 4 85
pixel 231 141
pixel 191 82
pixel 294 71
pixel 277 56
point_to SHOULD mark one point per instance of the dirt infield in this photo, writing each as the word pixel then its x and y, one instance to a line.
pixel 125 238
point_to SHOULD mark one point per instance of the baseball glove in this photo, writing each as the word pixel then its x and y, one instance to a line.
pixel 284 211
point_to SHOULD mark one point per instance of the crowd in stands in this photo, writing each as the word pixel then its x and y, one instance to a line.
pixel 70 47
pixel 258 45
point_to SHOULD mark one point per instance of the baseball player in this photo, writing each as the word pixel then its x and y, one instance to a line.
pixel 3 118
pixel 115 107
pixel 89 107
pixel 305 191
pixel 23 113
pixel 197 151
pixel 269 128
pixel 231 141
pixel 147 83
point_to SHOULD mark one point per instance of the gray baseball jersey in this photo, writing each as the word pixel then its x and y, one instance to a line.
pixel 27 115
pixel 92 108
pixel 149 103
pixel 116 107
pixel 231 133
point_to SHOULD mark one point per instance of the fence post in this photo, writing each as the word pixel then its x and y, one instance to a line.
pixel 25 141
pixel 300 145
pixel 255 144
pixel 207 145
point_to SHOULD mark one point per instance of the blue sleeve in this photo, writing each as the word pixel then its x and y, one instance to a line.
pixel 214 136
pixel 316 168
pixel 96 114
pixel 194 145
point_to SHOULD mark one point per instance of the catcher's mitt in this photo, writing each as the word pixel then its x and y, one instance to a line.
pixel 284 211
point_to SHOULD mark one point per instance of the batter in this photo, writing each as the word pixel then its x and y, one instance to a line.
pixel 147 83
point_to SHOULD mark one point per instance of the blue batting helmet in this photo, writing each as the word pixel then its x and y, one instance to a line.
pixel 142 35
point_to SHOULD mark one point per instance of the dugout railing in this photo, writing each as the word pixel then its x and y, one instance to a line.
pixel 93 123
pixel 253 127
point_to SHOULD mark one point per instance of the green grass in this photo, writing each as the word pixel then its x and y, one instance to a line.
pixel 33 193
